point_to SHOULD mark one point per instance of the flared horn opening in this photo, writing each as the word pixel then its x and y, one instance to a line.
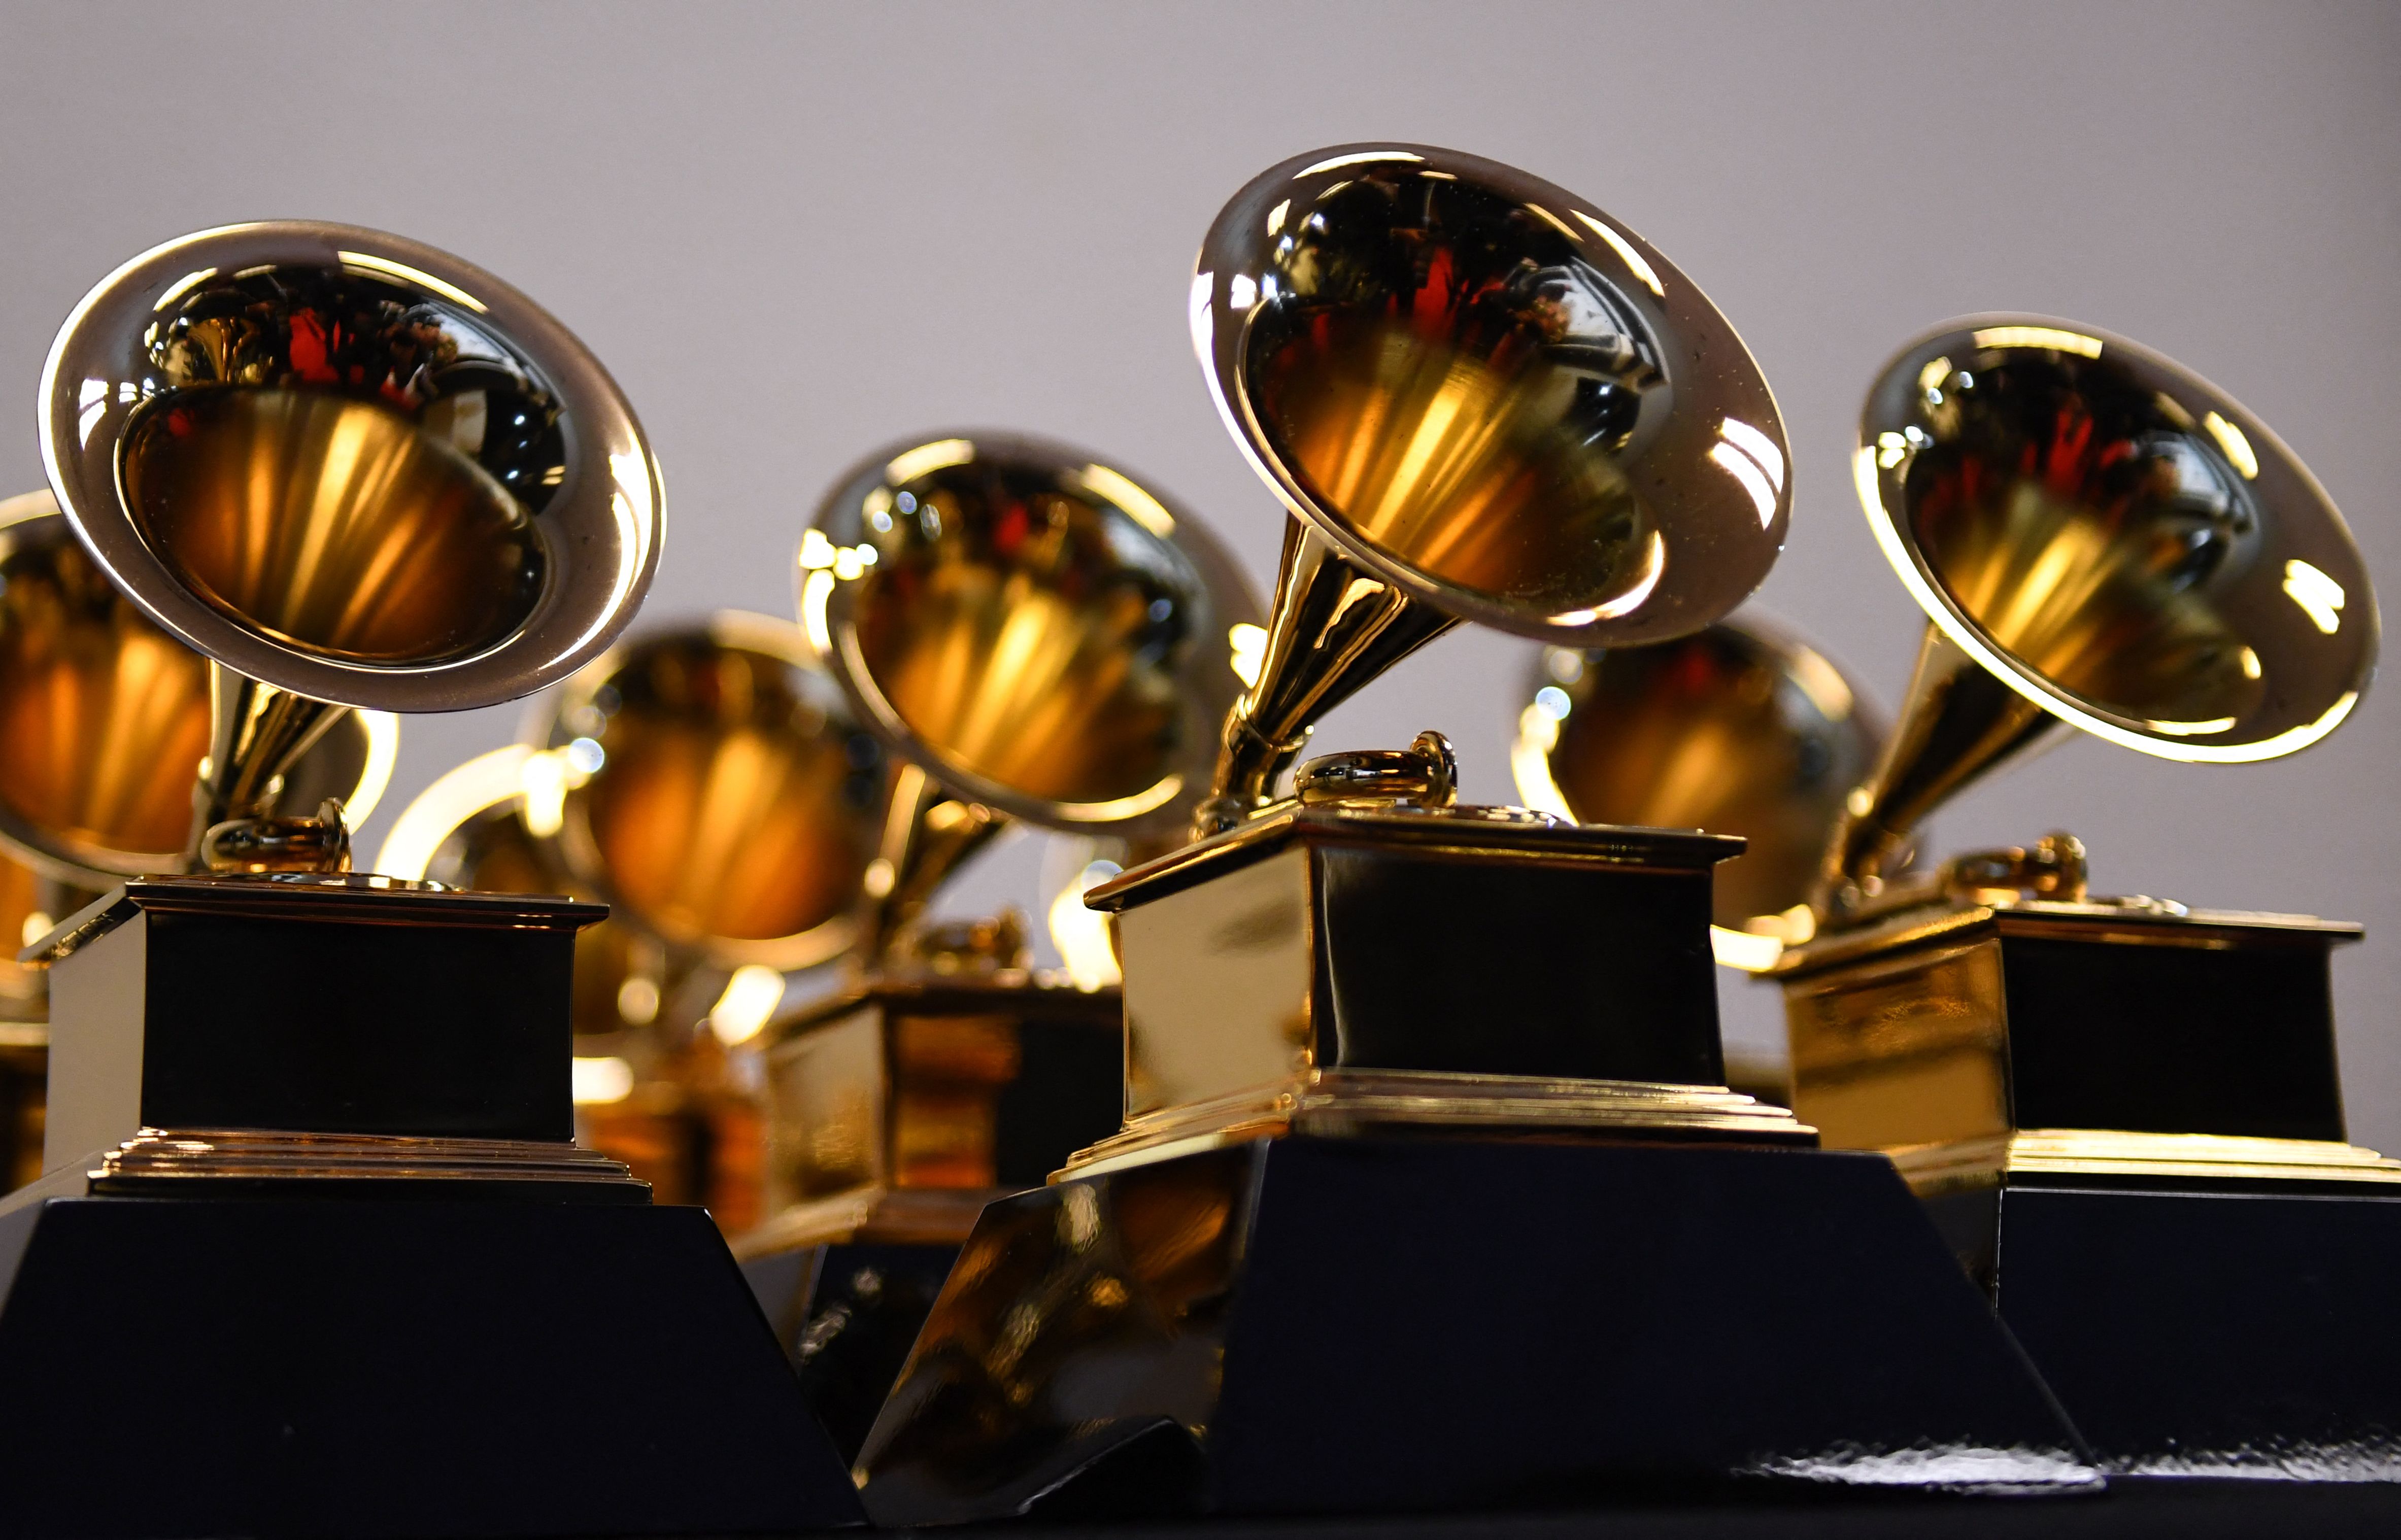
pixel 351 467
pixel 1039 630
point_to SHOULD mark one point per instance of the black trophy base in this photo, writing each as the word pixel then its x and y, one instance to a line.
pixel 2236 1333
pixel 1392 1326
pixel 271 1365
pixel 847 1314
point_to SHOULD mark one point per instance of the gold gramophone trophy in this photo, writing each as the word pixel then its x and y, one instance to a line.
pixel 332 1194
pixel 106 720
pixel 1037 637
pixel 708 782
pixel 2124 1113
pixel 1429 1193
pixel 1741 729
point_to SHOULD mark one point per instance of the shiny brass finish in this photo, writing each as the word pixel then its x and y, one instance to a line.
pixel 320 843
pixel 929 834
pixel 105 721
pixel 2100 538
pixel 1737 730
pixel 731 804
pixel 168 1156
pixel 901 1107
pixel 1045 636
pixel 1282 977
pixel 1990 1041
pixel 1483 400
pixel 351 471
pixel 1423 776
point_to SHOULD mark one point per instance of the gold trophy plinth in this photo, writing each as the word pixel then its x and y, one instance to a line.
pixel 1038 637
pixel 1428 1192
pixel 331 1109
pixel 2125 1114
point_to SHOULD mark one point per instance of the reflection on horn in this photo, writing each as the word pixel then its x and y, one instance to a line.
pixel 1736 730
pixel 1044 637
pixel 2100 539
pixel 1467 387
pixel 351 471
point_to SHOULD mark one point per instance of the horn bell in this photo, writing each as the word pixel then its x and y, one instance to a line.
pixel 1482 399
pixel 721 794
pixel 351 471
pixel 1042 633
pixel 2100 539
pixel 1740 729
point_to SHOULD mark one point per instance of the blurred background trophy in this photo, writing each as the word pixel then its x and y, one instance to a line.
pixel 2125 1114
pixel 710 783
pixel 1740 729
pixel 105 721
pixel 1039 639
pixel 353 472
pixel 1428 1168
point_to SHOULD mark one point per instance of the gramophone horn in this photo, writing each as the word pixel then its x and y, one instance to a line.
pixel 2100 538
pixel 1482 399
pixel 720 794
pixel 1043 635
pixel 349 470
pixel 104 721
pixel 1740 729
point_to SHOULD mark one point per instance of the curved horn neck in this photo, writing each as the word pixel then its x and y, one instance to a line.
pixel 929 834
pixel 1957 723
pixel 256 733
pixel 1332 628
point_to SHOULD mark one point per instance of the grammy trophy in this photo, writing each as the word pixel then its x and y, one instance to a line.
pixel 313 1165
pixel 2124 1112
pixel 1428 1190
pixel 1037 637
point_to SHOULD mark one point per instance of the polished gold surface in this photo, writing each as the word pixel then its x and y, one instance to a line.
pixel 2100 538
pixel 1903 1040
pixel 2073 1155
pixel 163 1155
pixel 1737 730
pixel 721 795
pixel 351 471
pixel 332 525
pixel 1051 638
pixel 106 720
pixel 95 701
pixel 1483 400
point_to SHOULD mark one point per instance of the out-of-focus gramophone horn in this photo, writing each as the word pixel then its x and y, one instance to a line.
pixel 2102 539
pixel 2099 539
pixel 1039 634
pixel 355 472
pixel 1741 728
pixel 1481 399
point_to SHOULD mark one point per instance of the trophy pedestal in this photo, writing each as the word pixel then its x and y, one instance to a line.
pixel 333 1236
pixel 1427 1196
pixel 1394 1325
pixel 899 1111
pixel 2128 1124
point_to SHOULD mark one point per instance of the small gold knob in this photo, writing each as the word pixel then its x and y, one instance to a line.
pixel 1423 776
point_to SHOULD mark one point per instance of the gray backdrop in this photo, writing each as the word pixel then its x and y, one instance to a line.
pixel 795 232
